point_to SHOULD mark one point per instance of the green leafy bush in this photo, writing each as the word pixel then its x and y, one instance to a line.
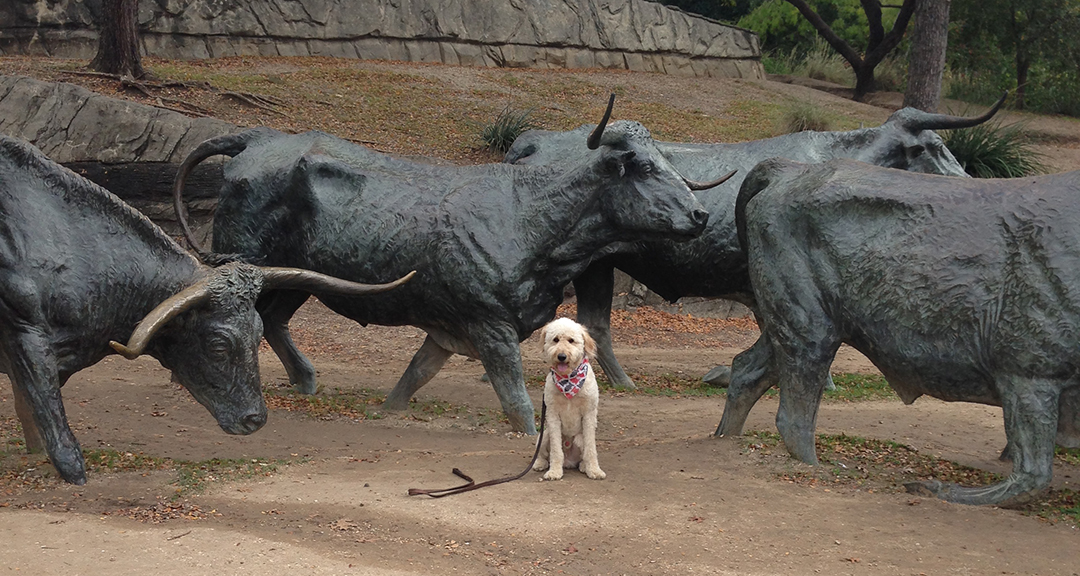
pixel 991 150
pixel 508 125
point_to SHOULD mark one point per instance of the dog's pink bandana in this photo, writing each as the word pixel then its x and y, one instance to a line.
pixel 571 384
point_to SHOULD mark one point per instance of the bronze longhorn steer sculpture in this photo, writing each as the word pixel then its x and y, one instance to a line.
pixel 495 244
pixel 80 270
pixel 713 264
pixel 961 289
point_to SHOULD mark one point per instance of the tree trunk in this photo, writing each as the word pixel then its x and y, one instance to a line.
pixel 118 39
pixel 926 59
pixel 1022 67
pixel 879 46
pixel 864 82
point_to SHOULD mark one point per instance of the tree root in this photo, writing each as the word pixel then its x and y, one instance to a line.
pixel 144 87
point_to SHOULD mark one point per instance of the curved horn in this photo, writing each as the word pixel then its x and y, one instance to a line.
pixel 308 281
pixel 230 145
pixel 706 185
pixel 919 120
pixel 594 137
pixel 161 315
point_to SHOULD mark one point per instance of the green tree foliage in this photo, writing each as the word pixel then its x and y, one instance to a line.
pixel 782 28
pixel 723 10
pixel 1030 46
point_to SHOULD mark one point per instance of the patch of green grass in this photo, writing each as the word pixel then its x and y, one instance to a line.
pixel 872 464
pixel 195 477
pixel 1068 455
pixel 860 387
pixel 852 387
pixel 107 461
pixel 191 476
pixel 357 405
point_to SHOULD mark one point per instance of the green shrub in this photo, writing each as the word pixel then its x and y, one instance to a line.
pixel 991 150
pixel 803 116
pixel 781 27
pixel 890 75
pixel 508 125
pixel 821 62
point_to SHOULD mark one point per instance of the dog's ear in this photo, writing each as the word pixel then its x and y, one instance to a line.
pixel 543 336
pixel 590 346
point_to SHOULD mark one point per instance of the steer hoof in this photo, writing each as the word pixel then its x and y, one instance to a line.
pixel 719 377
pixel 928 488
pixel 73 471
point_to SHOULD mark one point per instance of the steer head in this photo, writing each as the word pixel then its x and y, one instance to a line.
pixel 208 334
pixel 907 141
pixel 643 193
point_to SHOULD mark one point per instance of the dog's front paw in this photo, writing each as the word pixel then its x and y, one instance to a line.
pixel 593 472
pixel 555 473
pixel 540 465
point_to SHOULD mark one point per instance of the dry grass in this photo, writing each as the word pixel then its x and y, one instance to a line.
pixel 434 110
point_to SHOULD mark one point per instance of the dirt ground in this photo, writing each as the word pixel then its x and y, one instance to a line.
pixel 676 500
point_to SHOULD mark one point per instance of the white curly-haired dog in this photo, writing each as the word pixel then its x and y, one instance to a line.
pixel 571 395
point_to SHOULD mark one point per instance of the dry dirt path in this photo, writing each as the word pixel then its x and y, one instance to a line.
pixel 676 500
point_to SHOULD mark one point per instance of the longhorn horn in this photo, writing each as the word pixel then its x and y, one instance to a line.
pixel 598 132
pixel 919 120
pixel 706 185
pixel 172 307
pixel 308 281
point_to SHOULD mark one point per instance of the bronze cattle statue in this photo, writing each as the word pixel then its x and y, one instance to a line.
pixel 494 244
pixel 713 264
pixel 80 271
pixel 961 289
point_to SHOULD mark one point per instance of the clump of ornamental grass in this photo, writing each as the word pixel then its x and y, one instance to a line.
pixel 991 150
pixel 507 126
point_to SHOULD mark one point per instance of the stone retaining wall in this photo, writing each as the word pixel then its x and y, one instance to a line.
pixel 622 34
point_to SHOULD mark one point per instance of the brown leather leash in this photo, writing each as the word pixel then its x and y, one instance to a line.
pixel 472 485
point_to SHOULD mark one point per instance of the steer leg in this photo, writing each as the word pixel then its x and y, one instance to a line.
pixel 425 364
pixel 501 354
pixel 1068 432
pixel 1031 414
pixel 34 375
pixel 802 381
pixel 276 309
pixel 594 288
pixel 752 375
pixel 25 411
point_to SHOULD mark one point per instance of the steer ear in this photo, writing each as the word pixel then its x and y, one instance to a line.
pixel 172 307
pixel 308 281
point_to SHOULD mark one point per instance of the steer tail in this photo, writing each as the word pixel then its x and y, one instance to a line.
pixel 757 180
pixel 229 145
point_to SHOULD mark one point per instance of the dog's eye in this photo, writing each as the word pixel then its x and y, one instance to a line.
pixel 555 339
pixel 571 340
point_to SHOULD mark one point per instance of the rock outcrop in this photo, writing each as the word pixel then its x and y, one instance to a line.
pixel 625 34
pixel 131 149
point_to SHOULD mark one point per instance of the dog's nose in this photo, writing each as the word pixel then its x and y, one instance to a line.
pixel 562 357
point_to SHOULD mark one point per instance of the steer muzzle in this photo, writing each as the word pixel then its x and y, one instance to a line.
pixel 246 424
